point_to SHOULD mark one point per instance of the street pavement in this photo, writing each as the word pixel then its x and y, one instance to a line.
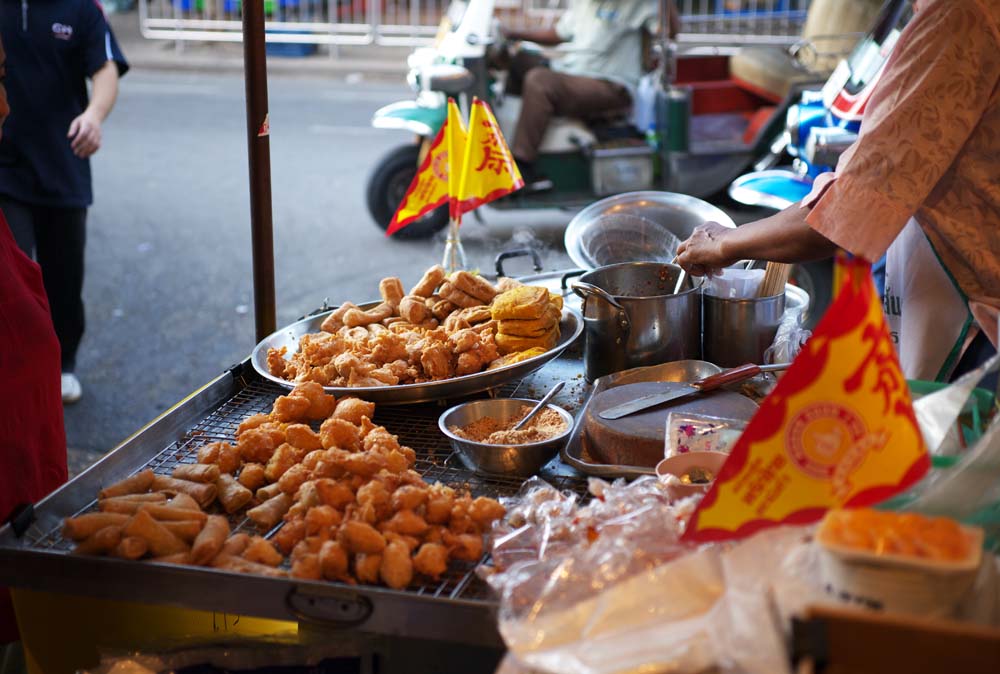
pixel 168 287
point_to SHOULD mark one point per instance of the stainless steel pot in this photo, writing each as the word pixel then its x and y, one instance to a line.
pixel 632 317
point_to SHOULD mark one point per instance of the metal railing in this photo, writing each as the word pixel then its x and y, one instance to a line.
pixel 412 23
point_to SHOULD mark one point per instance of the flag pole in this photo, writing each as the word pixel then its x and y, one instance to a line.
pixel 454 254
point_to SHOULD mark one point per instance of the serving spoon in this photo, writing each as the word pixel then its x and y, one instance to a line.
pixel 541 405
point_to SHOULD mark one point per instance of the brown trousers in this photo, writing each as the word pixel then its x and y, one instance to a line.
pixel 547 93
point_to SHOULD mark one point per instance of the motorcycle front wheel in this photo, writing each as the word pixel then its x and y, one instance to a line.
pixel 387 186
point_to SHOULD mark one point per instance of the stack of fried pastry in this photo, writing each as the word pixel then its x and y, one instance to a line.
pixel 350 506
pixel 446 326
pixel 527 321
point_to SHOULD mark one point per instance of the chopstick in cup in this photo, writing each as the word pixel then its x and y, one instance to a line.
pixel 775 278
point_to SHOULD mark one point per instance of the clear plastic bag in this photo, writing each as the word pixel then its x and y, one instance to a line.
pixel 789 339
pixel 687 432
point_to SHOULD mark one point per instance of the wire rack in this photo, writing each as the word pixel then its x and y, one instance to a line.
pixel 416 426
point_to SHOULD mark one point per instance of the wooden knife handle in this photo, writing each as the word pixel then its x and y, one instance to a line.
pixel 730 376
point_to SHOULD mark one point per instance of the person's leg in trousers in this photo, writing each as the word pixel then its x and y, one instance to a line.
pixel 21 218
pixel 522 62
pixel 61 238
pixel 548 93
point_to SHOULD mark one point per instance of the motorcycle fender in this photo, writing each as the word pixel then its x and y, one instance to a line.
pixel 411 116
pixel 774 188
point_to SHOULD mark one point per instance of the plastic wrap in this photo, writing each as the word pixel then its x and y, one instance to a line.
pixel 688 432
pixel 609 587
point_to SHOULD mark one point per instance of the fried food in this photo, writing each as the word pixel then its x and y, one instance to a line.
pixel 391 290
pixel 366 568
pixel 240 565
pixel 333 561
pixel 100 542
pixel 360 537
pixel 530 327
pixel 353 410
pixel 396 569
pixel 136 484
pixel 338 433
pixel 131 547
pixel 161 542
pixel 209 542
pixel 261 551
pixel 232 494
pixel 430 281
pixel 255 445
pixel 203 493
pixel 252 422
pixel 358 317
pixel 197 472
pixel 474 286
pixel 431 560
pixel 517 357
pixel 523 302
pixel 290 408
pixel 335 320
pixel 413 309
pixel 321 404
pixel 269 513
pixel 508 344
pixel 457 297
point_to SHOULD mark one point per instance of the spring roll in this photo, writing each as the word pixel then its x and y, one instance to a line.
pixel 235 545
pixel 268 492
pixel 232 494
pixel 78 528
pixel 209 542
pixel 100 542
pixel 197 472
pixel 176 558
pixel 131 547
pixel 168 514
pixel 127 505
pixel 184 502
pixel 186 530
pixel 270 512
pixel 204 494
pixel 161 541
pixel 136 484
pixel 240 565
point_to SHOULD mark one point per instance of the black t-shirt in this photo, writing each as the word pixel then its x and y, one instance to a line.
pixel 52 47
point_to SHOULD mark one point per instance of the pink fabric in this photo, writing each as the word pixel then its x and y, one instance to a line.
pixel 929 149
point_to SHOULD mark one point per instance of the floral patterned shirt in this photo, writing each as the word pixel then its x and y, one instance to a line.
pixel 929 149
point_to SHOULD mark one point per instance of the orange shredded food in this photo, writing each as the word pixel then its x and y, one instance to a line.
pixel 888 533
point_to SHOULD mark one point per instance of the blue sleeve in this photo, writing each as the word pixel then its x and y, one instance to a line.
pixel 98 42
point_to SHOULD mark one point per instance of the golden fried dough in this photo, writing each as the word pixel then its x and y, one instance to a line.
pixel 517 357
pixel 530 327
pixel 432 278
pixel 510 344
pixel 391 290
pixel 523 302
pixel 473 285
pixel 457 297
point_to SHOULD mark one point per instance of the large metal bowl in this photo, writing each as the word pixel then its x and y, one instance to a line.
pixel 519 460
pixel 570 327
pixel 636 227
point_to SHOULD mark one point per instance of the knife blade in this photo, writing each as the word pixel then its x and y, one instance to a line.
pixel 711 383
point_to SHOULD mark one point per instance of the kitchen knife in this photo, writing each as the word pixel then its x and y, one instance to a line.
pixel 711 383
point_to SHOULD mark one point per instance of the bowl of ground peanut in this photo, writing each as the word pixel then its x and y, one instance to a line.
pixel 482 434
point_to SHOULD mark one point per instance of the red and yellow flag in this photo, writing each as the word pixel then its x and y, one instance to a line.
pixel 456 155
pixel 488 171
pixel 432 185
pixel 837 431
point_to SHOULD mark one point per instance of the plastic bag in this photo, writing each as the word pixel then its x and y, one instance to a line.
pixel 687 432
pixel 735 283
pixel 789 339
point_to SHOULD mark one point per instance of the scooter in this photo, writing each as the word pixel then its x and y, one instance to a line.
pixel 692 128
pixel 818 130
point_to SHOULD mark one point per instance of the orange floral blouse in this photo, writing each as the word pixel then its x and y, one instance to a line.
pixel 929 149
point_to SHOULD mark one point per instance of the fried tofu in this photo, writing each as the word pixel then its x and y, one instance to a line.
pixel 530 327
pixel 524 302
pixel 511 344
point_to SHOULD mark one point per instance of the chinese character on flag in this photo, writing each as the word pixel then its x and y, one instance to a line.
pixel 837 431
pixel 456 154
pixel 432 186
pixel 489 171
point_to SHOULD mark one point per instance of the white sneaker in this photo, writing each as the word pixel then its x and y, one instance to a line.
pixel 71 389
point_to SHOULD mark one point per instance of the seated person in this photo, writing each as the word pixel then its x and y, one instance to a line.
pixel 599 72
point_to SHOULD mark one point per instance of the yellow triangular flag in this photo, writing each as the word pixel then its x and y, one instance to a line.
pixel 456 153
pixel 429 188
pixel 488 171
pixel 837 431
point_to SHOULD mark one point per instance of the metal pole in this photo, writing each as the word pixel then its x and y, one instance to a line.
pixel 259 154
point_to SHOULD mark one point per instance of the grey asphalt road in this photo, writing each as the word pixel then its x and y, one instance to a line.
pixel 168 286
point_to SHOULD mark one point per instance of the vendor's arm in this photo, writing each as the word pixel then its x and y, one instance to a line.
pixel 783 237
pixel 85 130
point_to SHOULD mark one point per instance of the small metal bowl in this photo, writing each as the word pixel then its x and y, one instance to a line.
pixel 520 460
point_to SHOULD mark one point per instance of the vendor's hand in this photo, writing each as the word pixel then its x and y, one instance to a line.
pixel 702 254
pixel 85 134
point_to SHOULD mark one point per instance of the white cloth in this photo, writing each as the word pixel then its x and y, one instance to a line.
pixel 928 316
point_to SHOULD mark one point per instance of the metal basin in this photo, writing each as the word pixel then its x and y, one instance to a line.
pixel 636 226
pixel 520 460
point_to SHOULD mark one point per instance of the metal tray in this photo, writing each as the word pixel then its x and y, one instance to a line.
pixel 570 327
pixel 574 453
pixel 458 607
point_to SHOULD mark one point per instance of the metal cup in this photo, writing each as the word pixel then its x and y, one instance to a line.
pixel 739 331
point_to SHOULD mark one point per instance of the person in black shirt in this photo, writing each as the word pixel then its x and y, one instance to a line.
pixel 53 47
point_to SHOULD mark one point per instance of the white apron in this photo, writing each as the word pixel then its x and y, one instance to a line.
pixel 927 312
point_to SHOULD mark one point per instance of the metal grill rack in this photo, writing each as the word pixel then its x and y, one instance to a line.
pixel 416 426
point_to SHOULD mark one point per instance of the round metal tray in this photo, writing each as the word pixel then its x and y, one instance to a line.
pixel 570 327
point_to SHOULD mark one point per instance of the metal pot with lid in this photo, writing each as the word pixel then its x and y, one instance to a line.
pixel 632 317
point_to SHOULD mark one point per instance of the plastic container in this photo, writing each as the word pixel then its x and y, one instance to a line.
pixel 672 469
pixel 901 583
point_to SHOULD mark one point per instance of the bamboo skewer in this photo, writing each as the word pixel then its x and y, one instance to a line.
pixel 775 278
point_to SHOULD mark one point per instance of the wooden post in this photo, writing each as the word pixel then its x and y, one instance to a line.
pixel 259 155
